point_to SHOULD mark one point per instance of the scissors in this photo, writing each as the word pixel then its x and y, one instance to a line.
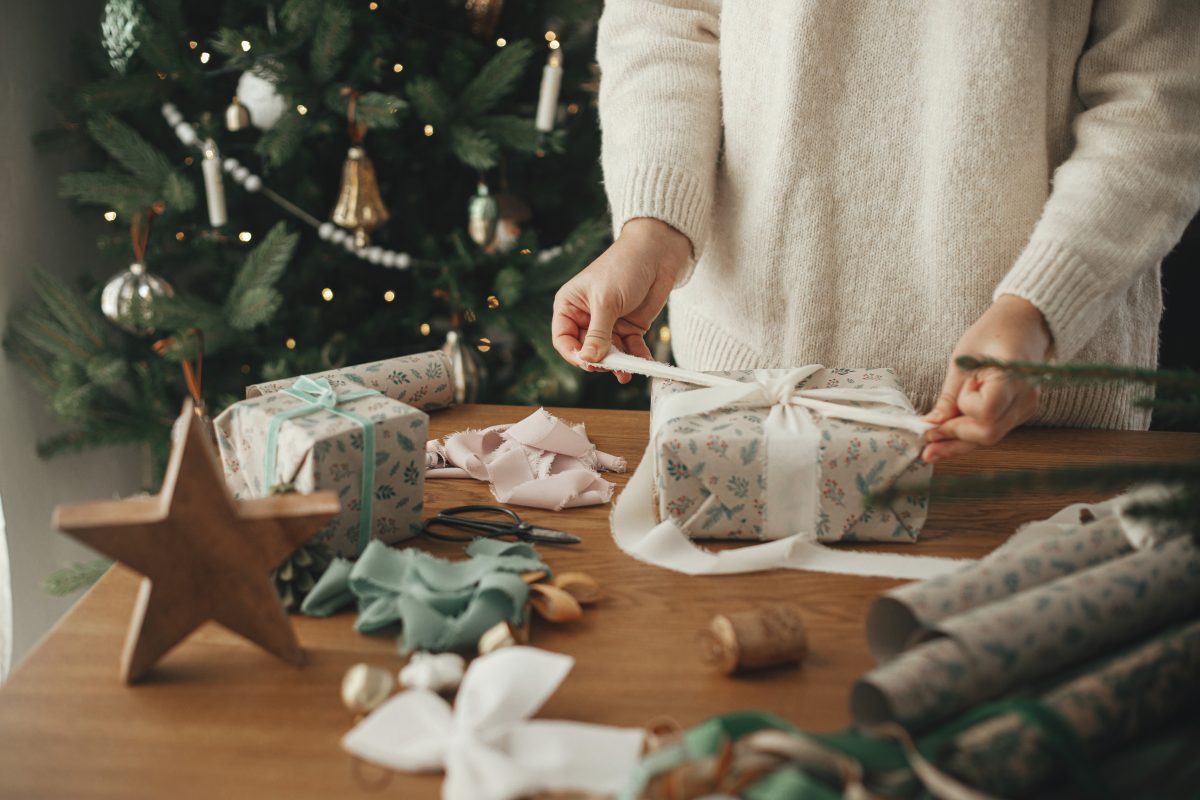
pixel 468 518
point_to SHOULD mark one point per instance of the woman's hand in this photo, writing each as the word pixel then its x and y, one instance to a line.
pixel 981 407
pixel 612 302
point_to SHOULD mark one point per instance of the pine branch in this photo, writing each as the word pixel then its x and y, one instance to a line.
pixel 124 193
pixel 473 148
pixel 301 16
pixel 1056 374
pixel 77 576
pixel 330 41
pixel 125 93
pixel 377 110
pixel 228 42
pixel 497 78
pixel 71 310
pixel 429 100
pixel 281 142
pixel 253 299
pixel 511 132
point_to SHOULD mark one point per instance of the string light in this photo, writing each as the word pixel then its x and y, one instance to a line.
pixel 428 130
pixel 301 109
pixel 188 161
pixel 469 315
pixel 484 345
pixel 501 42
pixel 551 36
pixel 554 45
pixel 290 344
pixel 204 57
pixel 664 334
pixel 245 46
pixel 572 108
pixel 493 301
pixel 179 236
pixel 327 294
pixel 424 328
pixel 110 216
pixel 245 236
pixel 397 67
pixel 373 5
pixel 389 296
pixel 193 44
pixel 162 76
pixel 525 251
pixel 245 369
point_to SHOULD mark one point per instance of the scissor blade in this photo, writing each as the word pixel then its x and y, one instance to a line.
pixel 551 536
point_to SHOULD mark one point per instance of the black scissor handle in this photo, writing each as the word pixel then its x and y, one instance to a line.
pixel 455 518
pixel 460 510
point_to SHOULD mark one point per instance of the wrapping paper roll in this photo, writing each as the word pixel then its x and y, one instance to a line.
pixel 423 380
pixel 1049 550
pixel 1105 706
pixel 1033 634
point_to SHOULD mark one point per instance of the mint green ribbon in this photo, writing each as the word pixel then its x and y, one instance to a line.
pixel 318 395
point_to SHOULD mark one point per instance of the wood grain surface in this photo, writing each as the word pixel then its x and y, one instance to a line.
pixel 218 718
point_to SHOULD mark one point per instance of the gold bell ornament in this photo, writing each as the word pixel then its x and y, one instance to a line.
pixel 359 206
pixel 236 116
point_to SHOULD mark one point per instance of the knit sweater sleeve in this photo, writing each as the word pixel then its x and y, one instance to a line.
pixel 1122 198
pixel 660 111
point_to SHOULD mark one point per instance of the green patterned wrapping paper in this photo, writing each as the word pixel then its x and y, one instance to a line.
pixel 987 651
pixel 1060 546
pixel 323 450
pixel 422 381
pixel 724 453
pixel 1106 706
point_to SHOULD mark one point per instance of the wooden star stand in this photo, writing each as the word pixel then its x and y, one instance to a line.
pixel 205 556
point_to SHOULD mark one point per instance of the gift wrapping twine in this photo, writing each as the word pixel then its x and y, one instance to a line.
pixel 1032 634
pixel 763 637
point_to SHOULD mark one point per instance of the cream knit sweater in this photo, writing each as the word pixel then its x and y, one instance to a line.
pixel 859 178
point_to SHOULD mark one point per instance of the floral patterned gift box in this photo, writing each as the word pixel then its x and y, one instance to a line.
pixel 315 434
pixel 423 380
pixel 711 475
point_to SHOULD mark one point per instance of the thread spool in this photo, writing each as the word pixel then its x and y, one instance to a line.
pixel 748 640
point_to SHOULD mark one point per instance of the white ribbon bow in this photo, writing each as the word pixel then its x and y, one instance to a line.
pixel 487 745
pixel 793 440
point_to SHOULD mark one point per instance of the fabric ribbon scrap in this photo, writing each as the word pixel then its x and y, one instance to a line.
pixel 441 605
pixel 487 745
pixel 540 462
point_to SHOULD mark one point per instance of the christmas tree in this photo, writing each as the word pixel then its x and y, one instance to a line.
pixel 303 184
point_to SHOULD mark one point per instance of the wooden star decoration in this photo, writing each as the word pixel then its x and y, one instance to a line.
pixel 204 555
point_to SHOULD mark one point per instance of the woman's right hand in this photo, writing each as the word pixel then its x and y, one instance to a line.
pixel 612 302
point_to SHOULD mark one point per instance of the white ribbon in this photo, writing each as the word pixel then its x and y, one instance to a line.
pixel 487 745
pixel 793 440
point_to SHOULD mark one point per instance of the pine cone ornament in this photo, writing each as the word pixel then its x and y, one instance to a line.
pixel 296 576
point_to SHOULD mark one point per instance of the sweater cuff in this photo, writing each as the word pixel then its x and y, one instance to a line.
pixel 1063 287
pixel 671 195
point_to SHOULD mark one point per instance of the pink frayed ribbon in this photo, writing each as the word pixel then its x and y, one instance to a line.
pixel 541 462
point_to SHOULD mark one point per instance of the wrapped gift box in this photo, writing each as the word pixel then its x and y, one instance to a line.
pixel 330 442
pixel 423 380
pixel 711 469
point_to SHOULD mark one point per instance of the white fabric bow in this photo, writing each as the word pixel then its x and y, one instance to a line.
pixel 487 745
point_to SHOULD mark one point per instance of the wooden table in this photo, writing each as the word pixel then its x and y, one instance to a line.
pixel 221 719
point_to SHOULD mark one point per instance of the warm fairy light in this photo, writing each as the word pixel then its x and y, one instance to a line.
pixel 290 344
pixel 572 108
pixel 397 67
pixel 469 315
pixel 424 328
pixel 327 294
pixel 188 161
pixel 179 236
pixel 539 153
pixel 373 5
pixel 389 296
pixel 551 36
pixel 193 44
pixel 501 42
pixel 162 76
pixel 428 130
pixel 244 236
pixel 110 216
pixel 204 57
pixel 664 334
pixel 554 45
pixel 301 109
pixel 245 369
pixel 525 251
pixel 245 46
pixel 484 345
pixel 493 301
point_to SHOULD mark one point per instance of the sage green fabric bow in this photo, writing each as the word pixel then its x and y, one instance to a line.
pixel 318 395
pixel 442 605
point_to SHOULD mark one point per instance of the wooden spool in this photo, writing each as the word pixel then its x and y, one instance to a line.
pixel 748 640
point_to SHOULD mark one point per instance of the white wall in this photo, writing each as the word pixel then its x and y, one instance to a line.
pixel 39 229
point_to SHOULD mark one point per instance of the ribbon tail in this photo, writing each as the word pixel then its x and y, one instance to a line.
pixel 562 756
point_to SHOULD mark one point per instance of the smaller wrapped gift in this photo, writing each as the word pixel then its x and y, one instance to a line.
pixel 764 454
pixel 423 380
pixel 313 435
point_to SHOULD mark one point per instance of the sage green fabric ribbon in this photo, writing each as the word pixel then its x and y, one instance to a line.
pixel 442 605
pixel 318 395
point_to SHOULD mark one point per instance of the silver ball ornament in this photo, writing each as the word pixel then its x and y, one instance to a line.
pixel 129 298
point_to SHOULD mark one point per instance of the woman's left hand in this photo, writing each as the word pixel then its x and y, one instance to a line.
pixel 981 407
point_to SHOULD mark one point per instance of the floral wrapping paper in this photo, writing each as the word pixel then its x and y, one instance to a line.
pixel 422 381
pixel 323 450
pixel 724 454
pixel 988 650
pixel 1106 705
pixel 1062 545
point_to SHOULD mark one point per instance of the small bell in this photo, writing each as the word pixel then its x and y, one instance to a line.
pixel 466 368
pixel 359 207
pixel 128 299
pixel 483 215
pixel 236 116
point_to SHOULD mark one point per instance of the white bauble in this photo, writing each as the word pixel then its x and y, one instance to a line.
pixel 260 97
